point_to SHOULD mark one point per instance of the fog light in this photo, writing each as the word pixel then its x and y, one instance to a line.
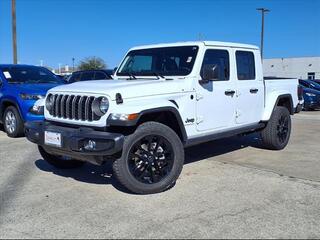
pixel 90 145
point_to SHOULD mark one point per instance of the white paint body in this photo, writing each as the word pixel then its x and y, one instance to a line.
pixel 213 111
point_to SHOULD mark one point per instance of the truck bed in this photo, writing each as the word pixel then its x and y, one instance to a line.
pixel 275 87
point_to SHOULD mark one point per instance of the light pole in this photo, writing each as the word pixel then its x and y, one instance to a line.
pixel 263 11
pixel 14 31
pixel 73 64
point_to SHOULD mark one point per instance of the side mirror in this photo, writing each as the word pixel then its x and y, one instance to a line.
pixel 210 72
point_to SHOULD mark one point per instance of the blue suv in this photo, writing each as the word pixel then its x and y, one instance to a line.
pixel 20 87
pixel 311 94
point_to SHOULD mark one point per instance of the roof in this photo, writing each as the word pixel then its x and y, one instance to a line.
pixel 15 65
pixel 283 58
pixel 92 70
pixel 198 43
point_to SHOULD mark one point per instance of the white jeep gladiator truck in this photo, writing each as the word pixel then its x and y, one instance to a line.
pixel 164 98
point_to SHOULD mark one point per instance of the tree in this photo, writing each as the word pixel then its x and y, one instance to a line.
pixel 92 63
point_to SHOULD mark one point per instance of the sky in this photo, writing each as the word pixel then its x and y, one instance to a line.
pixel 55 31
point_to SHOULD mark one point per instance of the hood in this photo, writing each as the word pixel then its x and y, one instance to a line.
pixel 34 88
pixel 127 88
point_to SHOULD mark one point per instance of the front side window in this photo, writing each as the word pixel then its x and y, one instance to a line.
pixel 75 77
pixel 245 65
pixel 167 61
pixel 100 75
pixel 219 59
pixel 30 75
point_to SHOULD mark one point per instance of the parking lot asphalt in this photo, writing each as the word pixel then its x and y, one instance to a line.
pixel 229 188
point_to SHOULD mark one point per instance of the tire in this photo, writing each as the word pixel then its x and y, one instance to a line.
pixel 59 161
pixel 152 159
pixel 276 134
pixel 12 122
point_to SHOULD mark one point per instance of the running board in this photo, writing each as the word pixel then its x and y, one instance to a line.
pixel 215 136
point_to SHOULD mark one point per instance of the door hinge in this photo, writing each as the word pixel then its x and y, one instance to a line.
pixel 198 96
pixel 238 113
pixel 199 119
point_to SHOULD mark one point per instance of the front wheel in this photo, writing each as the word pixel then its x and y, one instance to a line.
pixel 276 134
pixel 60 162
pixel 152 159
pixel 12 122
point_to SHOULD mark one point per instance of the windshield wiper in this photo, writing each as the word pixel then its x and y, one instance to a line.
pixel 13 82
pixel 158 75
pixel 131 76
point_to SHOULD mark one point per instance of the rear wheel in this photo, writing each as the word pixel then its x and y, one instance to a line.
pixel 276 134
pixel 61 162
pixel 152 159
pixel 12 122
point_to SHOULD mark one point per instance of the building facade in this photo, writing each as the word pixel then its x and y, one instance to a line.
pixel 302 67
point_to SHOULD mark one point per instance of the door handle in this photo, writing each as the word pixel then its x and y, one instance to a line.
pixel 254 90
pixel 229 92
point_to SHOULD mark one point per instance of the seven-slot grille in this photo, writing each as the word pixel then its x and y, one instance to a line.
pixel 73 107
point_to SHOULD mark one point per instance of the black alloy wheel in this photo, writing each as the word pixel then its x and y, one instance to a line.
pixel 283 128
pixel 151 159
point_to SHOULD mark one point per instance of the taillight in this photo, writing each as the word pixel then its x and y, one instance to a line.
pixel 300 92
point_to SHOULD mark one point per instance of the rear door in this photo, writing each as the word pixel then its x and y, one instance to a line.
pixel 250 88
pixel 215 100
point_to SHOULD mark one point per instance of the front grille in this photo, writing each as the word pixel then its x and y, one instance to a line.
pixel 73 107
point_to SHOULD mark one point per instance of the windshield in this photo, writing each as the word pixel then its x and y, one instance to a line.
pixel 167 61
pixel 315 85
pixel 30 74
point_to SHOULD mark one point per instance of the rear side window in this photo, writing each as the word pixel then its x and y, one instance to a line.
pixel 219 58
pixel 245 65
pixel 100 75
pixel 87 76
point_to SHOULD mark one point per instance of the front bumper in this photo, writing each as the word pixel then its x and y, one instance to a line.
pixel 312 104
pixel 74 140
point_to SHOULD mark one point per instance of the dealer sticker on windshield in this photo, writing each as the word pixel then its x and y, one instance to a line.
pixel 7 74
pixel 52 138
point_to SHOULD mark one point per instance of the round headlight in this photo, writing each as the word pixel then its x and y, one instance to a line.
pixel 100 106
pixel 49 102
pixel 104 105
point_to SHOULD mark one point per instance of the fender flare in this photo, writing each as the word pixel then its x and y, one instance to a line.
pixel 171 109
pixel 290 100
pixel 6 100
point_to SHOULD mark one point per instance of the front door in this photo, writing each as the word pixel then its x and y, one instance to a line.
pixel 216 98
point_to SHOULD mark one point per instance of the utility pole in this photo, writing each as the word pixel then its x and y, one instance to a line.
pixel 263 11
pixel 14 31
